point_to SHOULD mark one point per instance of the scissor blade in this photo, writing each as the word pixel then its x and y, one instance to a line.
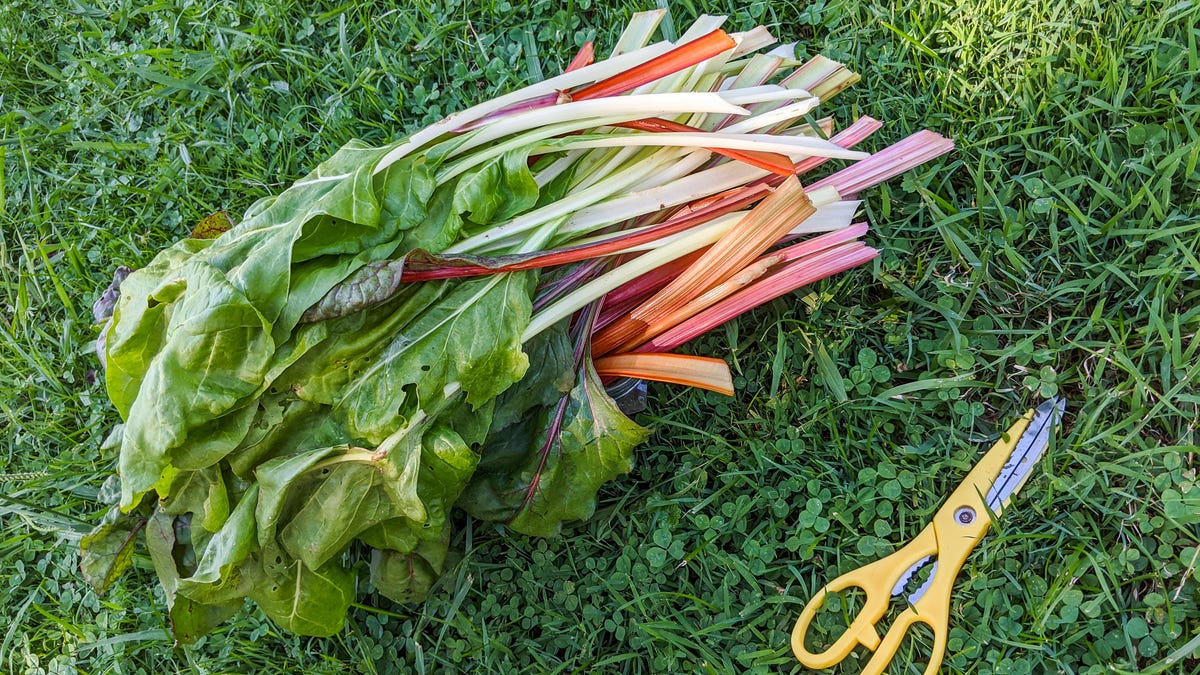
pixel 1027 452
pixel 920 592
pixel 903 581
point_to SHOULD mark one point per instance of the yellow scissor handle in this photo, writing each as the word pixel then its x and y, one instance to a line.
pixel 940 625
pixel 877 581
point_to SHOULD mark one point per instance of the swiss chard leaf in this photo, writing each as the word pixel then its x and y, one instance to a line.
pixel 229 546
pixel 430 219
pixel 497 190
pixel 407 577
pixel 550 376
pixel 314 280
pixel 103 307
pixel 547 470
pixel 107 551
pixel 308 602
pixel 370 285
pixel 396 534
pixel 316 502
pixel 209 442
pixel 398 461
pixel 353 342
pixel 406 188
pixel 217 354
pixel 319 501
pixel 465 333
pixel 477 193
pixel 190 619
pixel 196 330
pixel 446 464
pixel 235 584
pixel 138 327
pixel 442 225
pixel 520 188
pixel 284 425
pixel 333 509
pixel 201 492
pixel 275 479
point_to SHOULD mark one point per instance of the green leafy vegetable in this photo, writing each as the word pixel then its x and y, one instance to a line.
pixel 306 601
pixel 407 577
pixel 107 551
pixel 547 468
pixel 409 328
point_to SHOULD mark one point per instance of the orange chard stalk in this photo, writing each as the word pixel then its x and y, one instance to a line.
pixel 684 56
pixel 770 220
pixel 692 371
pixel 585 57
pixel 733 284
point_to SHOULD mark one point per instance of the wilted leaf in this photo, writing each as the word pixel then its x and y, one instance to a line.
pixel 107 551
pixel 103 308
pixel 160 540
pixel 212 226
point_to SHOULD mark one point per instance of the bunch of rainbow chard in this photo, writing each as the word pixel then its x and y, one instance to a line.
pixel 430 324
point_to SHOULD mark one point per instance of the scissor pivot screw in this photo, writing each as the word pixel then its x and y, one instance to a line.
pixel 965 515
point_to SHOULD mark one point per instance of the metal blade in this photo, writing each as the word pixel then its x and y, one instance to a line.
pixel 916 567
pixel 1028 451
pixel 920 592
pixel 629 394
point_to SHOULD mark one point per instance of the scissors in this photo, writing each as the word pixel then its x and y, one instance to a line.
pixel 956 529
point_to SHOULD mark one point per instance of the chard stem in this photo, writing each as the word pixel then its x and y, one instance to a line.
pixel 595 289
pixel 569 204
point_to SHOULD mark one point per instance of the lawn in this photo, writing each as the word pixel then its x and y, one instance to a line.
pixel 1054 252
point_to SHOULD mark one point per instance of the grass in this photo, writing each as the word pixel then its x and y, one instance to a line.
pixel 1054 252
